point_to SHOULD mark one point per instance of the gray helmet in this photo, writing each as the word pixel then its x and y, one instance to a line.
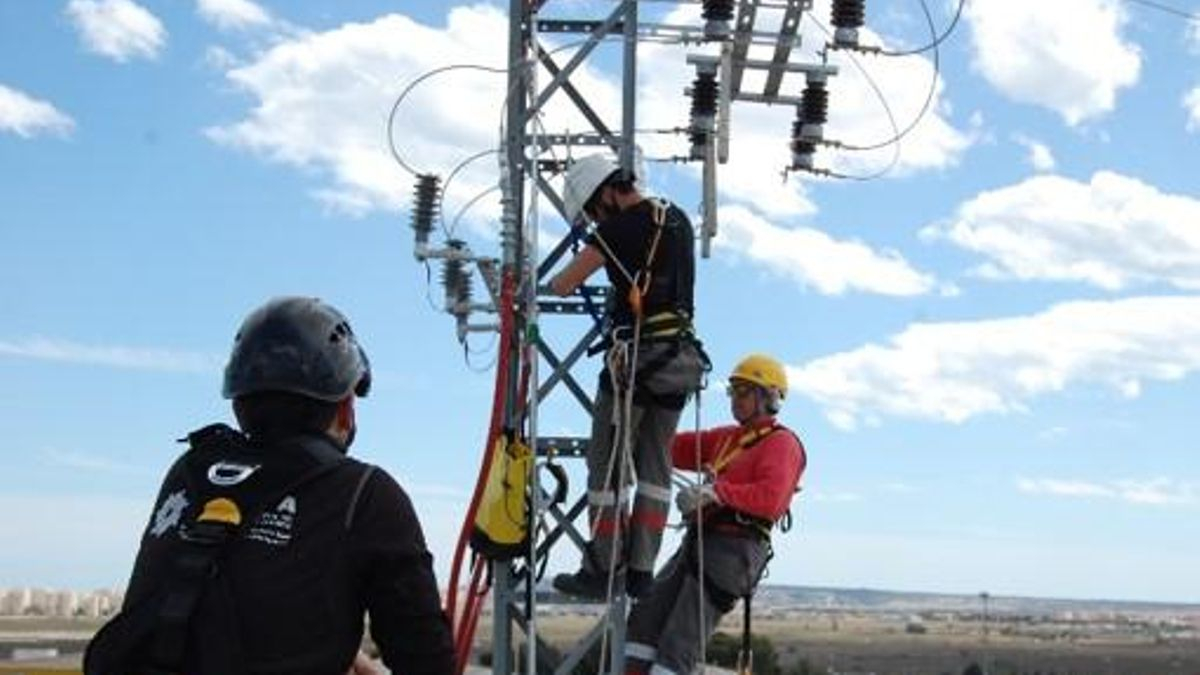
pixel 299 345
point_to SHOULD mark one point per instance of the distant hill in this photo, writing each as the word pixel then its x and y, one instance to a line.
pixel 875 600
pixel 812 597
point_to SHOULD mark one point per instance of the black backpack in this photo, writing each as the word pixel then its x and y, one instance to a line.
pixel 189 621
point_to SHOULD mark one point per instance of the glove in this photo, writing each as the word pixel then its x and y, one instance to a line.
pixel 694 497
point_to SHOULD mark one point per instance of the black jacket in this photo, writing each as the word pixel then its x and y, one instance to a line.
pixel 628 236
pixel 303 570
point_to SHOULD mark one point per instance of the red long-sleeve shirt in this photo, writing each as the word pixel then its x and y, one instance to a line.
pixel 756 468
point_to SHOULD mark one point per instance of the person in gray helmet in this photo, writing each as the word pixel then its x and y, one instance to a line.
pixel 268 545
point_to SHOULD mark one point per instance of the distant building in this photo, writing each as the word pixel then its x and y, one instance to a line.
pixel 34 653
pixel 15 601
pixel 60 602
pixel 41 602
pixel 64 603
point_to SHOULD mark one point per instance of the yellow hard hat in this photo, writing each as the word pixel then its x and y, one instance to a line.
pixel 762 370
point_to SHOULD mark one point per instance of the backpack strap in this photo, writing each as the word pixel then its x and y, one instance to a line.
pixel 196 567
pixel 358 490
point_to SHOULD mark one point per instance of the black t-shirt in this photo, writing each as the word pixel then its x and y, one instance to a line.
pixel 303 574
pixel 628 236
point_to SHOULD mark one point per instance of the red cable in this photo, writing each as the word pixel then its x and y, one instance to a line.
pixel 498 401
pixel 470 616
pixel 471 630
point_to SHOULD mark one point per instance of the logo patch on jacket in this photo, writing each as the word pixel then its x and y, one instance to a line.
pixel 275 527
pixel 169 513
pixel 226 474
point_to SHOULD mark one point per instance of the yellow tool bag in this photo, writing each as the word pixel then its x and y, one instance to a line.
pixel 501 529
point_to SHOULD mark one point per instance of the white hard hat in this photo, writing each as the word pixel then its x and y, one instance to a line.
pixel 584 177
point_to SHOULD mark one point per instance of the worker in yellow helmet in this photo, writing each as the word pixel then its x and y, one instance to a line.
pixel 749 473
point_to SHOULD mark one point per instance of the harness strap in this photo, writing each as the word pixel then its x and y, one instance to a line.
pixel 640 286
pixel 204 543
pixel 358 490
pixel 192 569
pixel 729 451
pixel 746 656
pixel 727 520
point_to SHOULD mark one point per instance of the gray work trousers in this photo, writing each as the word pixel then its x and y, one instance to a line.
pixel 667 372
pixel 665 628
pixel 652 430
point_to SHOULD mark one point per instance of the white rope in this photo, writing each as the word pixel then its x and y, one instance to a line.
pixel 617 441
pixel 611 256
pixel 623 415
pixel 700 547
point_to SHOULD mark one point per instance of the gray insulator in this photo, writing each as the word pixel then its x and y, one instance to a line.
pixel 845 37
pixel 717 30
pixel 426 196
pixel 456 280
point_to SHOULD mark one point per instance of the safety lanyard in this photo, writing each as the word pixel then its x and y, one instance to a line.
pixel 729 451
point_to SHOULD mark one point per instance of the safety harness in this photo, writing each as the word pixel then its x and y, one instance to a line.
pixel 667 326
pixel 729 521
pixel 190 620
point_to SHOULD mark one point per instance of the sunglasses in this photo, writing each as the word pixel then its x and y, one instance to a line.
pixel 736 389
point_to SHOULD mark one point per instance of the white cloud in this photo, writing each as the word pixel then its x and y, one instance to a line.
pixel 1040 156
pixel 759 149
pixel 1063 488
pixel 233 14
pixel 1053 433
pixel 219 58
pixel 324 98
pixel 1191 102
pixel 119 29
pixel 858 117
pixel 1113 232
pixel 1068 55
pixel 814 259
pixel 759 134
pixel 138 358
pixel 951 372
pixel 91 463
pixel 27 116
pixel 1155 492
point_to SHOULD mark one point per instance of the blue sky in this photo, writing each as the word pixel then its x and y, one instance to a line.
pixel 993 349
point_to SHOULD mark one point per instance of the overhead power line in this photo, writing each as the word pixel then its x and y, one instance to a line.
pixel 1168 9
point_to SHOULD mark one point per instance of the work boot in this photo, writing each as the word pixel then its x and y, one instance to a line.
pixel 638 584
pixel 586 583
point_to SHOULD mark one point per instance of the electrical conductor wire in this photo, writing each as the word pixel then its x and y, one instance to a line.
pixel 936 41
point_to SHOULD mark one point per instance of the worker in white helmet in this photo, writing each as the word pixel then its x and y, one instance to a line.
pixel 647 248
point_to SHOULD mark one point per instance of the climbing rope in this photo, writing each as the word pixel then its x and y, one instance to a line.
pixel 700 547
pixel 622 367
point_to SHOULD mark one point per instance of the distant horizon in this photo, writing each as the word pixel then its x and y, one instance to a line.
pixel 966 597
